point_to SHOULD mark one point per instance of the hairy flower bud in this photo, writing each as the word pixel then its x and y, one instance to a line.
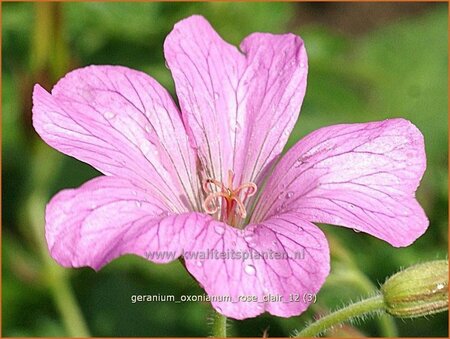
pixel 418 290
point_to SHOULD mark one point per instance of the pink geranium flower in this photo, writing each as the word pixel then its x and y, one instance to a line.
pixel 206 177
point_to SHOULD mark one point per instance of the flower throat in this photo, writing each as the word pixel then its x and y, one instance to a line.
pixel 233 209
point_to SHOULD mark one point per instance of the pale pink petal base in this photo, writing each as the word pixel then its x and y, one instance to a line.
pixel 362 176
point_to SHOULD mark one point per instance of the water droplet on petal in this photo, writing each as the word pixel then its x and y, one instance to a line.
pixel 356 231
pixel 216 95
pixel 281 195
pixel 199 263
pixel 250 269
pixel 274 243
pixel 219 229
pixel 219 309
pixel 138 203
pixel 134 193
pixel 237 127
pixel 248 237
pixel 233 243
pixel 289 194
pixel 145 148
pixel 167 65
pixel 298 163
pixel 278 210
pixel 148 128
pixel 109 115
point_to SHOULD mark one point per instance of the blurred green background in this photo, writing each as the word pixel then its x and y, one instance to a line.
pixel 367 61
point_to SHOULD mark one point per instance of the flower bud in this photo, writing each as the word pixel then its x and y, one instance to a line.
pixel 418 290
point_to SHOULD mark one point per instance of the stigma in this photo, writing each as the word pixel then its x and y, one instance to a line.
pixel 225 201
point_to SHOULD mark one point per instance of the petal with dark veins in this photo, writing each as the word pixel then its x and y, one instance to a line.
pixel 284 257
pixel 108 217
pixel 123 123
pixel 239 108
pixel 362 176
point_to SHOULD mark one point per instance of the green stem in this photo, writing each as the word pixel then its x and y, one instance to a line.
pixel 386 322
pixel 49 50
pixel 46 165
pixel 350 273
pixel 67 305
pixel 55 276
pixel 41 48
pixel 358 309
pixel 50 54
pixel 219 326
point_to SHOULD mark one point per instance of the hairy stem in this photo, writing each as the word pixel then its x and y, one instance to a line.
pixel 363 307
pixel 219 326
pixel 348 272
pixel 358 279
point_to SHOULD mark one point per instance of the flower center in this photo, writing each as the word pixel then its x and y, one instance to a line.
pixel 233 204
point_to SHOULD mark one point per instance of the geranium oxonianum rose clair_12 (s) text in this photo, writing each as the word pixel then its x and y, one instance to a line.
pixel 207 176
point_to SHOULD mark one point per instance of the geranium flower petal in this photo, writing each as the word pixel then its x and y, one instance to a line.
pixel 108 217
pixel 276 266
pixel 239 107
pixel 362 176
pixel 123 123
